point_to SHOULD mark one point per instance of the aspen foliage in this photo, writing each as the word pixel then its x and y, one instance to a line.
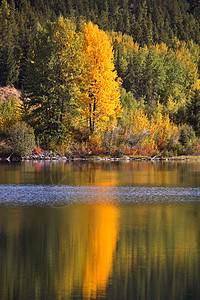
pixel 140 121
pixel 69 55
pixel 9 113
pixel 160 48
pixel 124 41
pixel 101 98
pixel 190 63
pixel 162 130
pixel 71 65
pixel 151 135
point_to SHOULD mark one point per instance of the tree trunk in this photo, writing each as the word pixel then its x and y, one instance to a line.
pixel 91 129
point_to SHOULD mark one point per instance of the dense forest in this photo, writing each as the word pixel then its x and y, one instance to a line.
pixel 101 77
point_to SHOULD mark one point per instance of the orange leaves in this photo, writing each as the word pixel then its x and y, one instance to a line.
pixel 97 47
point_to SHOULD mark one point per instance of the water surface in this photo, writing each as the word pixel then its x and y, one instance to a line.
pixel 86 230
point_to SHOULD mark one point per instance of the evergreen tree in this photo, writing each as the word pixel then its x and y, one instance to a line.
pixel 8 65
pixel 8 69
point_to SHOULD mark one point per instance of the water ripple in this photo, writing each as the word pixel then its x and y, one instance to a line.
pixel 32 195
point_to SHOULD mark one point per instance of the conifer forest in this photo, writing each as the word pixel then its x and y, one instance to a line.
pixel 113 77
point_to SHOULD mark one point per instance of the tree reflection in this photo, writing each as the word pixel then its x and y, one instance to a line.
pixel 158 253
pixel 100 251
pixel 101 238
pixel 87 243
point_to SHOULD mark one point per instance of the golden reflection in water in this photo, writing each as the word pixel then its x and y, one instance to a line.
pixel 86 250
pixel 101 241
pixel 66 252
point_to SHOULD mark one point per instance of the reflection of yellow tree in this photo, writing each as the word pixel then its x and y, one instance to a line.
pixel 102 236
pixel 87 243
pixel 97 174
pixel 69 251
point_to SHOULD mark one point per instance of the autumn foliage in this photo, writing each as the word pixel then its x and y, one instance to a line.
pixel 101 98
pixel 88 92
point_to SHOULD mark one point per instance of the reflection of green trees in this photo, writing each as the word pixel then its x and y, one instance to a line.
pixel 158 254
pixel 58 253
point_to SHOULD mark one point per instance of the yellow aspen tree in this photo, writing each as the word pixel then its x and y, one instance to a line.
pixel 101 98
pixel 162 129
pixel 141 127
pixel 189 59
pixel 125 41
pixel 140 121
pixel 160 48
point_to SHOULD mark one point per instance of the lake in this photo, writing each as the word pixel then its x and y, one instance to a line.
pixel 100 230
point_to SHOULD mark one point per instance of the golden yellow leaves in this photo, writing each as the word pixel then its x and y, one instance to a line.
pixel 152 134
pixel 101 98
pixel 140 121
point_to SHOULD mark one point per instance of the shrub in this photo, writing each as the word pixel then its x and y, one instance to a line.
pixel 38 150
pixel 9 113
pixel 187 138
pixel 22 139
pixel 178 149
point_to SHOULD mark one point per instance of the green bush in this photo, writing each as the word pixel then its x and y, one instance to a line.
pixel 178 149
pixel 22 139
pixel 187 135
pixel 187 138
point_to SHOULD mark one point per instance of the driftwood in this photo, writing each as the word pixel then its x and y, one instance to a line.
pixel 9 157
pixel 152 158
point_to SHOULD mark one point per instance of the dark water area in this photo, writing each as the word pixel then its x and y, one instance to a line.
pixel 100 230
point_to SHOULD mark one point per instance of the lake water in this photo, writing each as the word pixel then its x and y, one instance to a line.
pixel 100 230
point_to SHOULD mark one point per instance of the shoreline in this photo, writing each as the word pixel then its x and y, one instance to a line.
pixel 59 158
